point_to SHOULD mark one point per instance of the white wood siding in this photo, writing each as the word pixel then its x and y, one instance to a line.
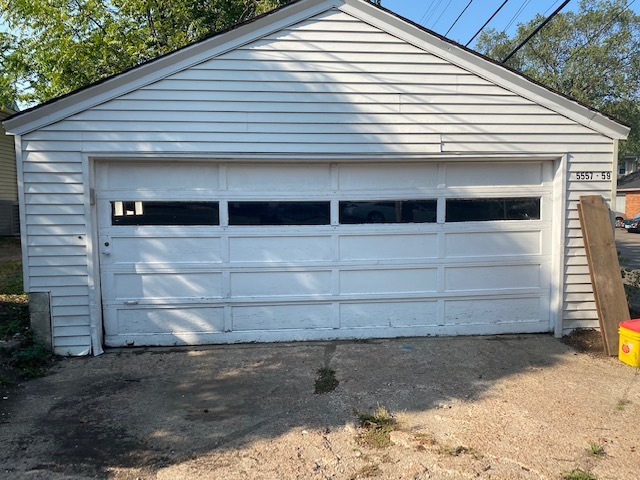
pixel 56 235
pixel 355 91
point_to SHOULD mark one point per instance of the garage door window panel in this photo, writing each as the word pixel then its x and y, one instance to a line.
pixel 279 213
pixel 145 213
pixel 492 209
pixel 388 211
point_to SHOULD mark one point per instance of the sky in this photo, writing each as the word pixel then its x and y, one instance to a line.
pixel 440 15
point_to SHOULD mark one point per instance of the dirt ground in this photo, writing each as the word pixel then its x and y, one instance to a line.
pixel 502 407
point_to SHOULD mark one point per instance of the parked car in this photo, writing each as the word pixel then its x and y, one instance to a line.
pixel 620 218
pixel 633 225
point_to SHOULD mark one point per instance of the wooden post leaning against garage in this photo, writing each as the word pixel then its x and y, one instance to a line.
pixel 604 269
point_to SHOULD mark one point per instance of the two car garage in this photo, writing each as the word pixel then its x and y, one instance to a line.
pixel 328 170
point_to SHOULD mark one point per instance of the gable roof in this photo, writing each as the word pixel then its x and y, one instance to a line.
pixel 629 182
pixel 107 89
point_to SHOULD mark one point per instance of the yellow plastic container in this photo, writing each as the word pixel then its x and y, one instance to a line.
pixel 629 345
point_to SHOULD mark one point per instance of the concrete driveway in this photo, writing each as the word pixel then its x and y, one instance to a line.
pixel 502 407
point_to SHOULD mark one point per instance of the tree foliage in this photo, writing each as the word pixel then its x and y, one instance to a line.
pixel 52 47
pixel 592 55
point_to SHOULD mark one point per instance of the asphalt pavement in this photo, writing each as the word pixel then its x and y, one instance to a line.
pixel 628 244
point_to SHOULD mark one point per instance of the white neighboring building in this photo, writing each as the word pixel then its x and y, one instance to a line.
pixel 327 171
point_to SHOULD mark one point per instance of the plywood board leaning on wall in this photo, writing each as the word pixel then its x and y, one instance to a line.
pixel 604 268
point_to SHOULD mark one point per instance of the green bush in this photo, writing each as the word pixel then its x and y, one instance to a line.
pixel 31 358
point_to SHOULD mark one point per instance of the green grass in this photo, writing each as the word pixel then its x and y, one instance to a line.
pixel 377 427
pixel 579 474
pixel 31 358
pixel 11 278
pixel 596 450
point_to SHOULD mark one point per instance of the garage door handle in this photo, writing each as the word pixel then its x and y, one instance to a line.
pixel 131 302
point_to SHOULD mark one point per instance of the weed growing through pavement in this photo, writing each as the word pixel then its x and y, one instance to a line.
pixel 326 381
pixel 596 450
pixel 622 403
pixel 377 427
pixel 579 474
pixel 368 471
pixel 460 450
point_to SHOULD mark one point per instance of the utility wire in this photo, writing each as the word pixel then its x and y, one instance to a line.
pixel 540 27
pixel 426 12
pixel 456 21
pixel 430 11
pixel 433 25
pixel 517 14
pixel 487 22
pixel 550 7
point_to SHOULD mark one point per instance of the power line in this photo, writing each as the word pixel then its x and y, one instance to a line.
pixel 540 27
pixel 517 14
pixel 550 7
pixel 426 11
pixel 456 21
pixel 487 22
pixel 430 11
pixel 433 25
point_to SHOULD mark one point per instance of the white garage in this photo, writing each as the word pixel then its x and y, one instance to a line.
pixel 326 171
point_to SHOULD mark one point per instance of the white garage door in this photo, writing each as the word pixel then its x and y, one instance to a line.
pixel 194 253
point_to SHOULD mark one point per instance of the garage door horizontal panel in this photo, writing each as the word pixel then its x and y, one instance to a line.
pixel 492 277
pixel 158 176
pixel 294 283
pixel 388 314
pixel 492 311
pixel 396 247
pixel 278 178
pixel 165 249
pixel 280 249
pixel 479 244
pixel 169 320
pixel 493 174
pixel 415 280
pixel 167 285
pixel 282 317
pixel 387 177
